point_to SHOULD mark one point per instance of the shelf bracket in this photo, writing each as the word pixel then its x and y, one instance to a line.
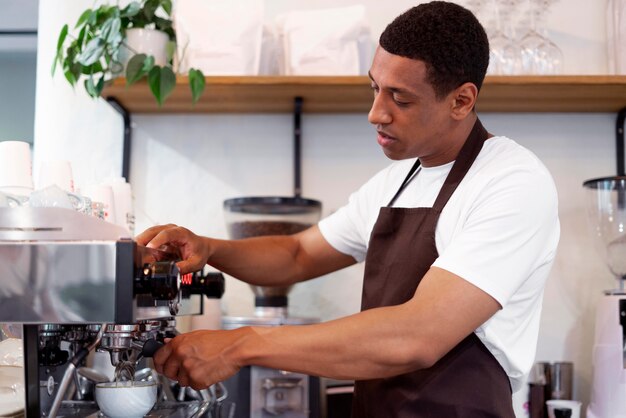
pixel 127 135
pixel 297 146
pixel 619 141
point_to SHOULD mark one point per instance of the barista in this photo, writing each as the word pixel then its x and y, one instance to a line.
pixel 458 235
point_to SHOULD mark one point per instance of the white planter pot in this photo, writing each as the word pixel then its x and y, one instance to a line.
pixel 145 41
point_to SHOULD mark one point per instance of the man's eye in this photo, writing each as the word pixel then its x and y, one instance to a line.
pixel 374 88
pixel 401 102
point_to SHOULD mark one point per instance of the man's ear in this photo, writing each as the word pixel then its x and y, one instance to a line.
pixel 463 100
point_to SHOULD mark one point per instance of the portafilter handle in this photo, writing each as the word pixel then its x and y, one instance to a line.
pixel 150 347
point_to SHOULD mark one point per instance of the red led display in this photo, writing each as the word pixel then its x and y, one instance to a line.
pixel 187 279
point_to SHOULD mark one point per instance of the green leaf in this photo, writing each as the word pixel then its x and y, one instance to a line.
pixel 170 50
pixel 138 66
pixel 149 8
pixel 90 86
pixel 131 10
pixel 92 53
pixel 83 17
pixel 116 41
pixel 93 16
pixel 69 76
pixel 161 81
pixel 55 61
pixel 167 6
pixel 196 84
pixel 100 85
pixel 81 36
pixel 162 24
pixel 92 69
pixel 59 54
pixel 94 89
pixel 75 69
pixel 111 29
pixel 62 37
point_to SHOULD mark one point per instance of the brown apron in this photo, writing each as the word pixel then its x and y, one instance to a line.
pixel 468 382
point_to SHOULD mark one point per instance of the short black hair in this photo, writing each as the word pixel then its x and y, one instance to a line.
pixel 447 38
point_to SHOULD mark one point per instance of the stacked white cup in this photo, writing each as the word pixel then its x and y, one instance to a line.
pixel 56 173
pixel 123 197
pixel 16 171
pixel 102 193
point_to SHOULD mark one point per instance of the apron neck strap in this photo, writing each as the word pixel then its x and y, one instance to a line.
pixel 470 150
pixel 406 181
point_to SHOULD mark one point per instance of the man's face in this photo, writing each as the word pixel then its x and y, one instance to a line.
pixel 409 119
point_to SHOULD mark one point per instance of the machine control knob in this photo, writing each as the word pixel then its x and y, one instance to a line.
pixel 210 285
pixel 160 279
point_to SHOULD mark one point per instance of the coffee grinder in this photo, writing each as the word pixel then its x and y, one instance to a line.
pixel 607 212
pixel 260 392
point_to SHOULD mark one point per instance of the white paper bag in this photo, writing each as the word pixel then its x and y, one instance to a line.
pixel 219 37
pixel 325 42
pixel 616 36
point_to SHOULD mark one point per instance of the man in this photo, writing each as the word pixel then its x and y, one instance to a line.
pixel 469 217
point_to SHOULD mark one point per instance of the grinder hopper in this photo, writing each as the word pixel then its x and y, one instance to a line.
pixel 248 217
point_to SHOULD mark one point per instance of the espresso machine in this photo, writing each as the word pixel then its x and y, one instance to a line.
pixel 607 212
pixel 78 285
pixel 260 392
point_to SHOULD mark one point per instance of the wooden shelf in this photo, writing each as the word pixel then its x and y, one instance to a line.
pixel 353 94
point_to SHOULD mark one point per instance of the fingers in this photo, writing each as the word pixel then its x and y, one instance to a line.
pixel 171 369
pixel 161 356
pixel 193 263
pixel 173 235
pixel 166 362
pixel 146 236
pixel 170 361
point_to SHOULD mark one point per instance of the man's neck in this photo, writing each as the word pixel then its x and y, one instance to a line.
pixel 455 138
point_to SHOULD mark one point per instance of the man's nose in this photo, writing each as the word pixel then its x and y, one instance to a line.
pixel 379 115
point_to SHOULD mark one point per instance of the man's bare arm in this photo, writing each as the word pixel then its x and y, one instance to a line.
pixel 377 343
pixel 264 261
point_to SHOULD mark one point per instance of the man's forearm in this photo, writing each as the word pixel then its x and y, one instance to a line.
pixel 372 344
pixel 277 260
pixel 264 261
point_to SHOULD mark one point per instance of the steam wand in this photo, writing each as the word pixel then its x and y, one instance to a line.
pixel 69 371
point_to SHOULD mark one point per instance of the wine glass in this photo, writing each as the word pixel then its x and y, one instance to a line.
pixel 503 54
pixel 539 55
pixel 550 58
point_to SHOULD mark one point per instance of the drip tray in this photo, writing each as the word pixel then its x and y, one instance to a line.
pixel 89 409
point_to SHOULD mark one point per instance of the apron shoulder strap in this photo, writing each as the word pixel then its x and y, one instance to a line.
pixel 406 181
pixel 470 150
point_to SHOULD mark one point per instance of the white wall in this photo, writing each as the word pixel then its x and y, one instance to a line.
pixel 184 166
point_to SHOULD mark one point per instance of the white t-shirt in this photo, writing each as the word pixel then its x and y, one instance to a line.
pixel 499 231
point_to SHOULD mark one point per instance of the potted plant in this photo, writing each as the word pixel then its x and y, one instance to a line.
pixel 100 51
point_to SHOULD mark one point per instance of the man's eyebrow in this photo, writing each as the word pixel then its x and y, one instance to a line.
pixel 400 90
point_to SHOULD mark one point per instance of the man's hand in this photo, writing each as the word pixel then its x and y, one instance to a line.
pixel 201 358
pixel 194 250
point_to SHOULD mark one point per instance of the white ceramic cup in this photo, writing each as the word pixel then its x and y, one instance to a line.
pixel 126 399
pixel 123 196
pixel 103 194
pixel 563 403
pixel 16 174
pixel 57 173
